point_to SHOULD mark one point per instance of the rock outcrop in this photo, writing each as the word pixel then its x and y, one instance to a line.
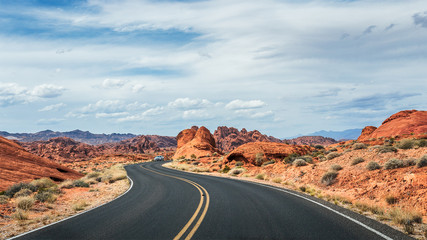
pixel 408 122
pixel 199 142
pixel 266 150
pixel 18 165
pixel 229 138
pixel 162 141
pixel 63 149
pixel 312 140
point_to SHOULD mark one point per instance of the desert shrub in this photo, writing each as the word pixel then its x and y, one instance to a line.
pixel 391 200
pixel 235 172
pixel 401 216
pixel 421 143
pixel 17 187
pixel 93 174
pixel 20 215
pixel 268 163
pixel 226 169
pixel 369 208
pixel 193 156
pixel 290 158
pixel 80 183
pixel 332 155
pixel 45 197
pixel 80 205
pixel 386 149
pixel 23 193
pixel 422 162
pixel 410 162
pixel 335 167
pixel 406 144
pixel 66 184
pixel 329 178
pixel 277 180
pixel 373 166
pixel 333 149
pixel 259 159
pixel 24 203
pixel 318 146
pixel 260 176
pixel 307 158
pixel 43 183
pixel 302 188
pixel 299 162
pixel 393 164
pixel 358 146
pixel 239 164
pixel 357 161
pixel 4 199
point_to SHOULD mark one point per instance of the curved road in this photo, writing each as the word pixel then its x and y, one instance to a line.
pixel 169 204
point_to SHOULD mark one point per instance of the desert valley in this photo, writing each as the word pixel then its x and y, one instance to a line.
pixel 382 174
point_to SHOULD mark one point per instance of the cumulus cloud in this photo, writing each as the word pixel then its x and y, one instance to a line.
pixel 11 93
pixel 148 114
pixel 196 114
pixel 111 115
pixel 111 106
pixel 420 19
pixel 52 107
pixel 240 104
pixel 188 103
pixel 48 91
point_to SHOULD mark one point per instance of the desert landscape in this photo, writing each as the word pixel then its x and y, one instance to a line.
pixel 382 174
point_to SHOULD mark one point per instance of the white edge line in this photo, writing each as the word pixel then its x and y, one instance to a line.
pixel 45 226
pixel 322 205
pixel 308 199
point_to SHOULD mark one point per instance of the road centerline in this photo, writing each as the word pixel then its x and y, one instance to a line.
pixel 203 194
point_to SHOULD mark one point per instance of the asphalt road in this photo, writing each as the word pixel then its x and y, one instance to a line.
pixel 169 204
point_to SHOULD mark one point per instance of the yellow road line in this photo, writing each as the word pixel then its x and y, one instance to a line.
pixel 202 216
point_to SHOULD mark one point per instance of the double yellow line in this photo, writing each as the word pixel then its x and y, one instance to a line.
pixel 203 194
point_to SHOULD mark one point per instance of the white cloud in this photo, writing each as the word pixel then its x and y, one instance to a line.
pixel 48 91
pixel 196 114
pixel 113 83
pixel 148 114
pixel 111 115
pixel 240 104
pixel 11 93
pixel 189 103
pixel 52 107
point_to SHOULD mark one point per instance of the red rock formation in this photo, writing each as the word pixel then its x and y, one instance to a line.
pixel 402 123
pixel 200 143
pixel 312 140
pixel 227 139
pixel 63 149
pixel 18 165
pixel 162 141
pixel 269 150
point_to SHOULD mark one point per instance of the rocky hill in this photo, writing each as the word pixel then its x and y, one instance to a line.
pixel 403 123
pixel 63 149
pixel 312 140
pixel 18 165
pixel 228 138
pixel 248 153
pixel 77 135
pixel 162 141
pixel 195 141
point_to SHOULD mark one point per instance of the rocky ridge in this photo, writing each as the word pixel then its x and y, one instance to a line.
pixel 18 165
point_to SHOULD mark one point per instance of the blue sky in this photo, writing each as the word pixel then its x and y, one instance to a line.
pixel 157 67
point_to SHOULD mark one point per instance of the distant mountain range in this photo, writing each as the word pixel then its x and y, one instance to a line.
pixel 349 134
pixel 77 135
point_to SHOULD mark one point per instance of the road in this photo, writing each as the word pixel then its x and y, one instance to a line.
pixel 168 204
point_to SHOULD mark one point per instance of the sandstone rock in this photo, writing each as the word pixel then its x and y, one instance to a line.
pixel 402 123
pixel 18 165
pixel 228 139
pixel 269 150
pixel 312 140
pixel 199 142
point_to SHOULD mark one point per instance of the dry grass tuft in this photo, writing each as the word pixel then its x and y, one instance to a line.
pixel 80 205
pixel 20 215
pixel 25 203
